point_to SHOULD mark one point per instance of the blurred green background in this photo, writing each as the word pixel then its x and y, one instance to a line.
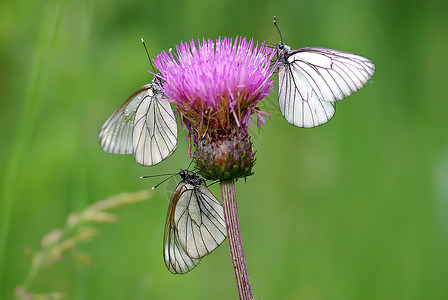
pixel 354 209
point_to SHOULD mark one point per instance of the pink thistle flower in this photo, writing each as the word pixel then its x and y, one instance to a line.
pixel 216 81
pixel 216 86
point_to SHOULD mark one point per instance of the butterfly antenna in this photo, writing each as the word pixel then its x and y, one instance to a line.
pixel 190 164
pixel 149 57
pixel 150 176
pixel 154 187
pixel 278 29
pixel 158 175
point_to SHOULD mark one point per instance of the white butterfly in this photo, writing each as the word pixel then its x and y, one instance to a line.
pixel 144 125
pixel 312 79
pixel 195 224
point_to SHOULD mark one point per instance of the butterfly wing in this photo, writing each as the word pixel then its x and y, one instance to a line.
pixel 176 259
pixel 298 101
pixel 199 217
pixel 194 227
pixel 311 79
pixel 116 133
pixel 155 129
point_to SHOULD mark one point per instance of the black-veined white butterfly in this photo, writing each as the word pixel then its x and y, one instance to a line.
pixel 143 125
pixel 312 79
pixel 195 224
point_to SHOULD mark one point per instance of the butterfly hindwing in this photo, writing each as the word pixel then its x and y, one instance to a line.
pixel 176 258
pixel 155 129
pixel 200 221
pixel 298 101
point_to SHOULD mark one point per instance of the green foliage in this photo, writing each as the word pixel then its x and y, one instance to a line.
pixel 354 209
pixel 78 229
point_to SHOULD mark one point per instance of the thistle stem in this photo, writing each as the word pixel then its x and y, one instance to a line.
pixel 235 241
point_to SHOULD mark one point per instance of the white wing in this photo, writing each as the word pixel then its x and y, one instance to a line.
pixel 144 125
pixel 200 221
pixel 155 129
pixel 312 79
pixel 298 102
pixel 176 259
pixel 116 133
pixel 195 226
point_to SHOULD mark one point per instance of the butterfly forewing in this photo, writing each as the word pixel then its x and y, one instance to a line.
pixel 176 259
pixel 311 79
pixel 194 227
pixel 333 74
pixel 155 130
pixel 116 133
pixel 144 125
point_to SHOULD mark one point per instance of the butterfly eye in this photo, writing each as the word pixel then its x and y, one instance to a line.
pixel 183 173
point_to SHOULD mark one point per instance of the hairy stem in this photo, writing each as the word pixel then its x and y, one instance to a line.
pixel 235 240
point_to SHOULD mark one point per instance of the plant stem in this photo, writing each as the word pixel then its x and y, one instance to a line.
pixel 235 241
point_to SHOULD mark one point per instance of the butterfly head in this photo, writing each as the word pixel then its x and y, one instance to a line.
pixel 282 51
pixel 157 81
pixel 191 177
pixel 156 88
pixel 184 174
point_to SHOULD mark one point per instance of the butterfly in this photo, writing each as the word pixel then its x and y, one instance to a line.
pixel 144 125
pixel 312 79
pixel 195 224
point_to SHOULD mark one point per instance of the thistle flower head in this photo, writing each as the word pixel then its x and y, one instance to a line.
pixel 216 86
